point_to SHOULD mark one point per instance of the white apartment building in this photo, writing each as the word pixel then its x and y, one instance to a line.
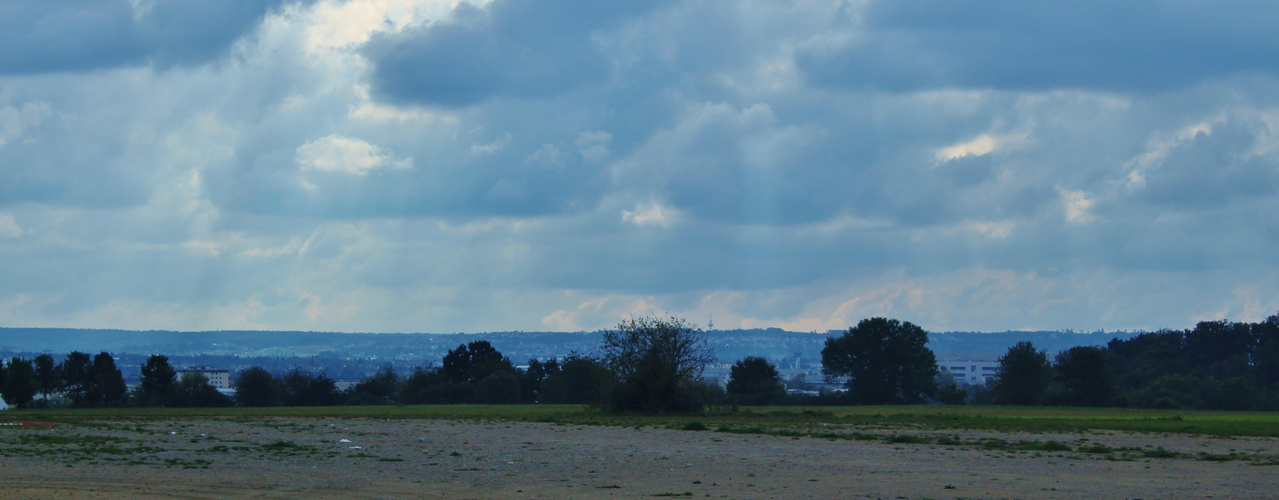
pixel 219 379
pixel 969 371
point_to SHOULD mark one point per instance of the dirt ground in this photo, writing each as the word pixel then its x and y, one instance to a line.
pixel 307 458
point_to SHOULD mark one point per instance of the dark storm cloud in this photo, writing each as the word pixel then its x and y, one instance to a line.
pixel 85 35
pixel 1010 44
pixel 516 48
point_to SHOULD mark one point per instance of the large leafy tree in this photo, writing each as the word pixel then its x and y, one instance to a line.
pixel 755 381
pixel 579 380
pixel 159 380
pixel 1023 376
pixel 108 388
pixel 77 377
pixel 194 390
pixel 500 387
pixel 657 362
pixel 532 379
pixel 380 389
pixel 304 389
pixel 255 386
pixel 886 361
pixel 1266 354
pixel 1087 377
pixel 1148 356
pixel 47 374
pixel 20 383
pixel 1219 349
pixel 427 386
pixel 474 362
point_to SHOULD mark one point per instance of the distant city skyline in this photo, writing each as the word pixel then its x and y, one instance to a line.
pixel 558 165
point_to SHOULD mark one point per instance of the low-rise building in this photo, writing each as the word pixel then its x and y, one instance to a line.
pixel 969 371
pixel 220 379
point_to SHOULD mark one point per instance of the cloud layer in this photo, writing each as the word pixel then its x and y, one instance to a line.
pixel 431 165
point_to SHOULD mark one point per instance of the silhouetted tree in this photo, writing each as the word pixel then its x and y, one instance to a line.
pixel 1218 349
pixel 47 374
pixel 194 390
pixel 300 388
pixel 755 381
pixel 580 380
pixel 1266 354
pixel 255 386
pixel 159 380
pixel 1023 376
pixel 1086 376
pixel 886 361
pixel 531 379
pixel 474 362
pixel 20 383
pixel 425 386
pixel 106 387
pixel 1148 356
pixel 500 387
pixel 77 377
pixel 948 390
pixel 380 389
pixel 657 361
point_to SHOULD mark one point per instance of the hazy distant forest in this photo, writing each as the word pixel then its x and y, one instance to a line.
pixel 654 364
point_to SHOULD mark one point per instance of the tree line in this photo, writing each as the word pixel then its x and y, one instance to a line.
pixel 85 381
pixel 1217 365
pixel 654 364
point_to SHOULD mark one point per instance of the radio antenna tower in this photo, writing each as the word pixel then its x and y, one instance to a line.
pixel 710 325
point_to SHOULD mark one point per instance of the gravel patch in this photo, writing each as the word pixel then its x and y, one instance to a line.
pixel 370 458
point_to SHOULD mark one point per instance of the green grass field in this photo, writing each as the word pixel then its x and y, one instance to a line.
pixel 1031 419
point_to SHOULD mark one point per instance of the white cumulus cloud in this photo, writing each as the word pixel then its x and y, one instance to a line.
pixel 651 214
pixel 335 153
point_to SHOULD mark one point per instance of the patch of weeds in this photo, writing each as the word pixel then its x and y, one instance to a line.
pixel 455 454
pixel 993 444
pixel 861 436
pixel 695 426
pixel 1226 457
pixel 1049 445
pixel 281 445
pixel 1160 452
pixel 744 430
pixel 1097 448
pixel 903 439
pixel 194 464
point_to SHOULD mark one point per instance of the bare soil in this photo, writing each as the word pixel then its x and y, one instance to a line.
pixel 306 458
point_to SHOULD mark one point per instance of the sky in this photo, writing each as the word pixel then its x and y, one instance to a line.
pixel 445 166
